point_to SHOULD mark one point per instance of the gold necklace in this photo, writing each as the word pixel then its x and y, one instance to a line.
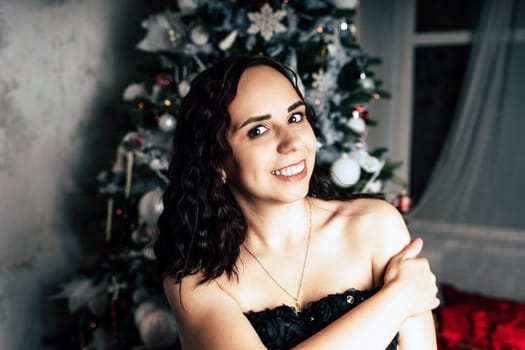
pixel 295 298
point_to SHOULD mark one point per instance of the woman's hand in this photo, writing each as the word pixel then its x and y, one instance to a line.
pixel 411 276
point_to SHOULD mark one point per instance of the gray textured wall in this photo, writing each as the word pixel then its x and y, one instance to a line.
pixel 62 63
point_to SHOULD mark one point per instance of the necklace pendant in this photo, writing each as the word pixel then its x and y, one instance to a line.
pixel 297 307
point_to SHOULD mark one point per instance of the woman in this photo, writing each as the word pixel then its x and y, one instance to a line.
pixel 256 250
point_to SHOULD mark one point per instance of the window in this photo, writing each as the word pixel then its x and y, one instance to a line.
pixel 441 47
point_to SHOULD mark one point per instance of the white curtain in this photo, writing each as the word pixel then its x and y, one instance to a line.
pixel 472 213
pixel 479 179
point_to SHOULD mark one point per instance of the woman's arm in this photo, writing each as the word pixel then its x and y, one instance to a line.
pixel 370 325
pixel 417 332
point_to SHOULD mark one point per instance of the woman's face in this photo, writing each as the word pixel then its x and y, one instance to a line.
pixel 273 143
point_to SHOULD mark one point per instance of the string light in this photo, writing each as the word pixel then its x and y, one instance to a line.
pixel 167 103
pixel 319 29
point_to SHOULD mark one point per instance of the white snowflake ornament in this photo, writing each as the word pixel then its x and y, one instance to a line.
pixel 80 291
pixel 320 81
pixel 266 22
pixel 334 45
pixel 164 32
pixel 374 186
pixel 371 164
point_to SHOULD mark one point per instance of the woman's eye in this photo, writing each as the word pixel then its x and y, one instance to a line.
pixel 257 131
pixel 296 117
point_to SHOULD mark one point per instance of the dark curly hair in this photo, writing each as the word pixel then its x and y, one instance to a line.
pixel 202 226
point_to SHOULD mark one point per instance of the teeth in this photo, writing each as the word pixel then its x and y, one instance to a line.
pixel 296 169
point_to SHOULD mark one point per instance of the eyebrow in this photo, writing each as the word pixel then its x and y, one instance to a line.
pixel 267 116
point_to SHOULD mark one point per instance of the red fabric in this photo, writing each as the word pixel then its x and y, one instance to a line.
pixel 473 321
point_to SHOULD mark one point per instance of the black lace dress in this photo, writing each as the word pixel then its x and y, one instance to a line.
pixel 283 328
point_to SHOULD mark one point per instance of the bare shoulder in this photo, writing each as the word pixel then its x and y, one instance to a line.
pixel 185 297
pixel 373 225
pixel 373 214
pixel 380 217
pixel 203 311
pixel 192 300
pixel 369 206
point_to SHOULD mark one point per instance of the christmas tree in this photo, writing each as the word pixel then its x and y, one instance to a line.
pixel 118 303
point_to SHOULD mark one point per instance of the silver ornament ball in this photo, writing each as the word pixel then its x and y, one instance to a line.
pixel 345 171
pixel 143 310
pixel 158 329
pixel 183 88
pixel 186 6
pixel 134 91
pixel 345 4
pixel 167 122
pixel 367 83
pixel 199 36
pixel 357 125
pixel 151 206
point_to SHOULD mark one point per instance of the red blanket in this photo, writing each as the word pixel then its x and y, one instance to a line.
pixel 473 321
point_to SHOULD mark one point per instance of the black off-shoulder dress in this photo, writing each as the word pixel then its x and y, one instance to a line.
pixel 282 327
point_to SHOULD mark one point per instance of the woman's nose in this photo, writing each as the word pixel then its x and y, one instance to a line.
pixel 288 140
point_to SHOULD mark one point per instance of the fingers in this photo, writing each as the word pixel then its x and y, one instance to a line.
pixel 436 303
pixel 411 250
pixel 413 275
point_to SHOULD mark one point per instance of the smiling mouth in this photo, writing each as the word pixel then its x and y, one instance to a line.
pixel 290 170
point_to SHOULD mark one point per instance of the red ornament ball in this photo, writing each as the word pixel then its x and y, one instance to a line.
pixel 363 112
pixel 403 202
pixel 162 79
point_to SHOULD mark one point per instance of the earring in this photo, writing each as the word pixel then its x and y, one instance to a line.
pixel 224 177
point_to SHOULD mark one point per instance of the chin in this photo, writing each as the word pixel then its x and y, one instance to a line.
pixel 294 195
